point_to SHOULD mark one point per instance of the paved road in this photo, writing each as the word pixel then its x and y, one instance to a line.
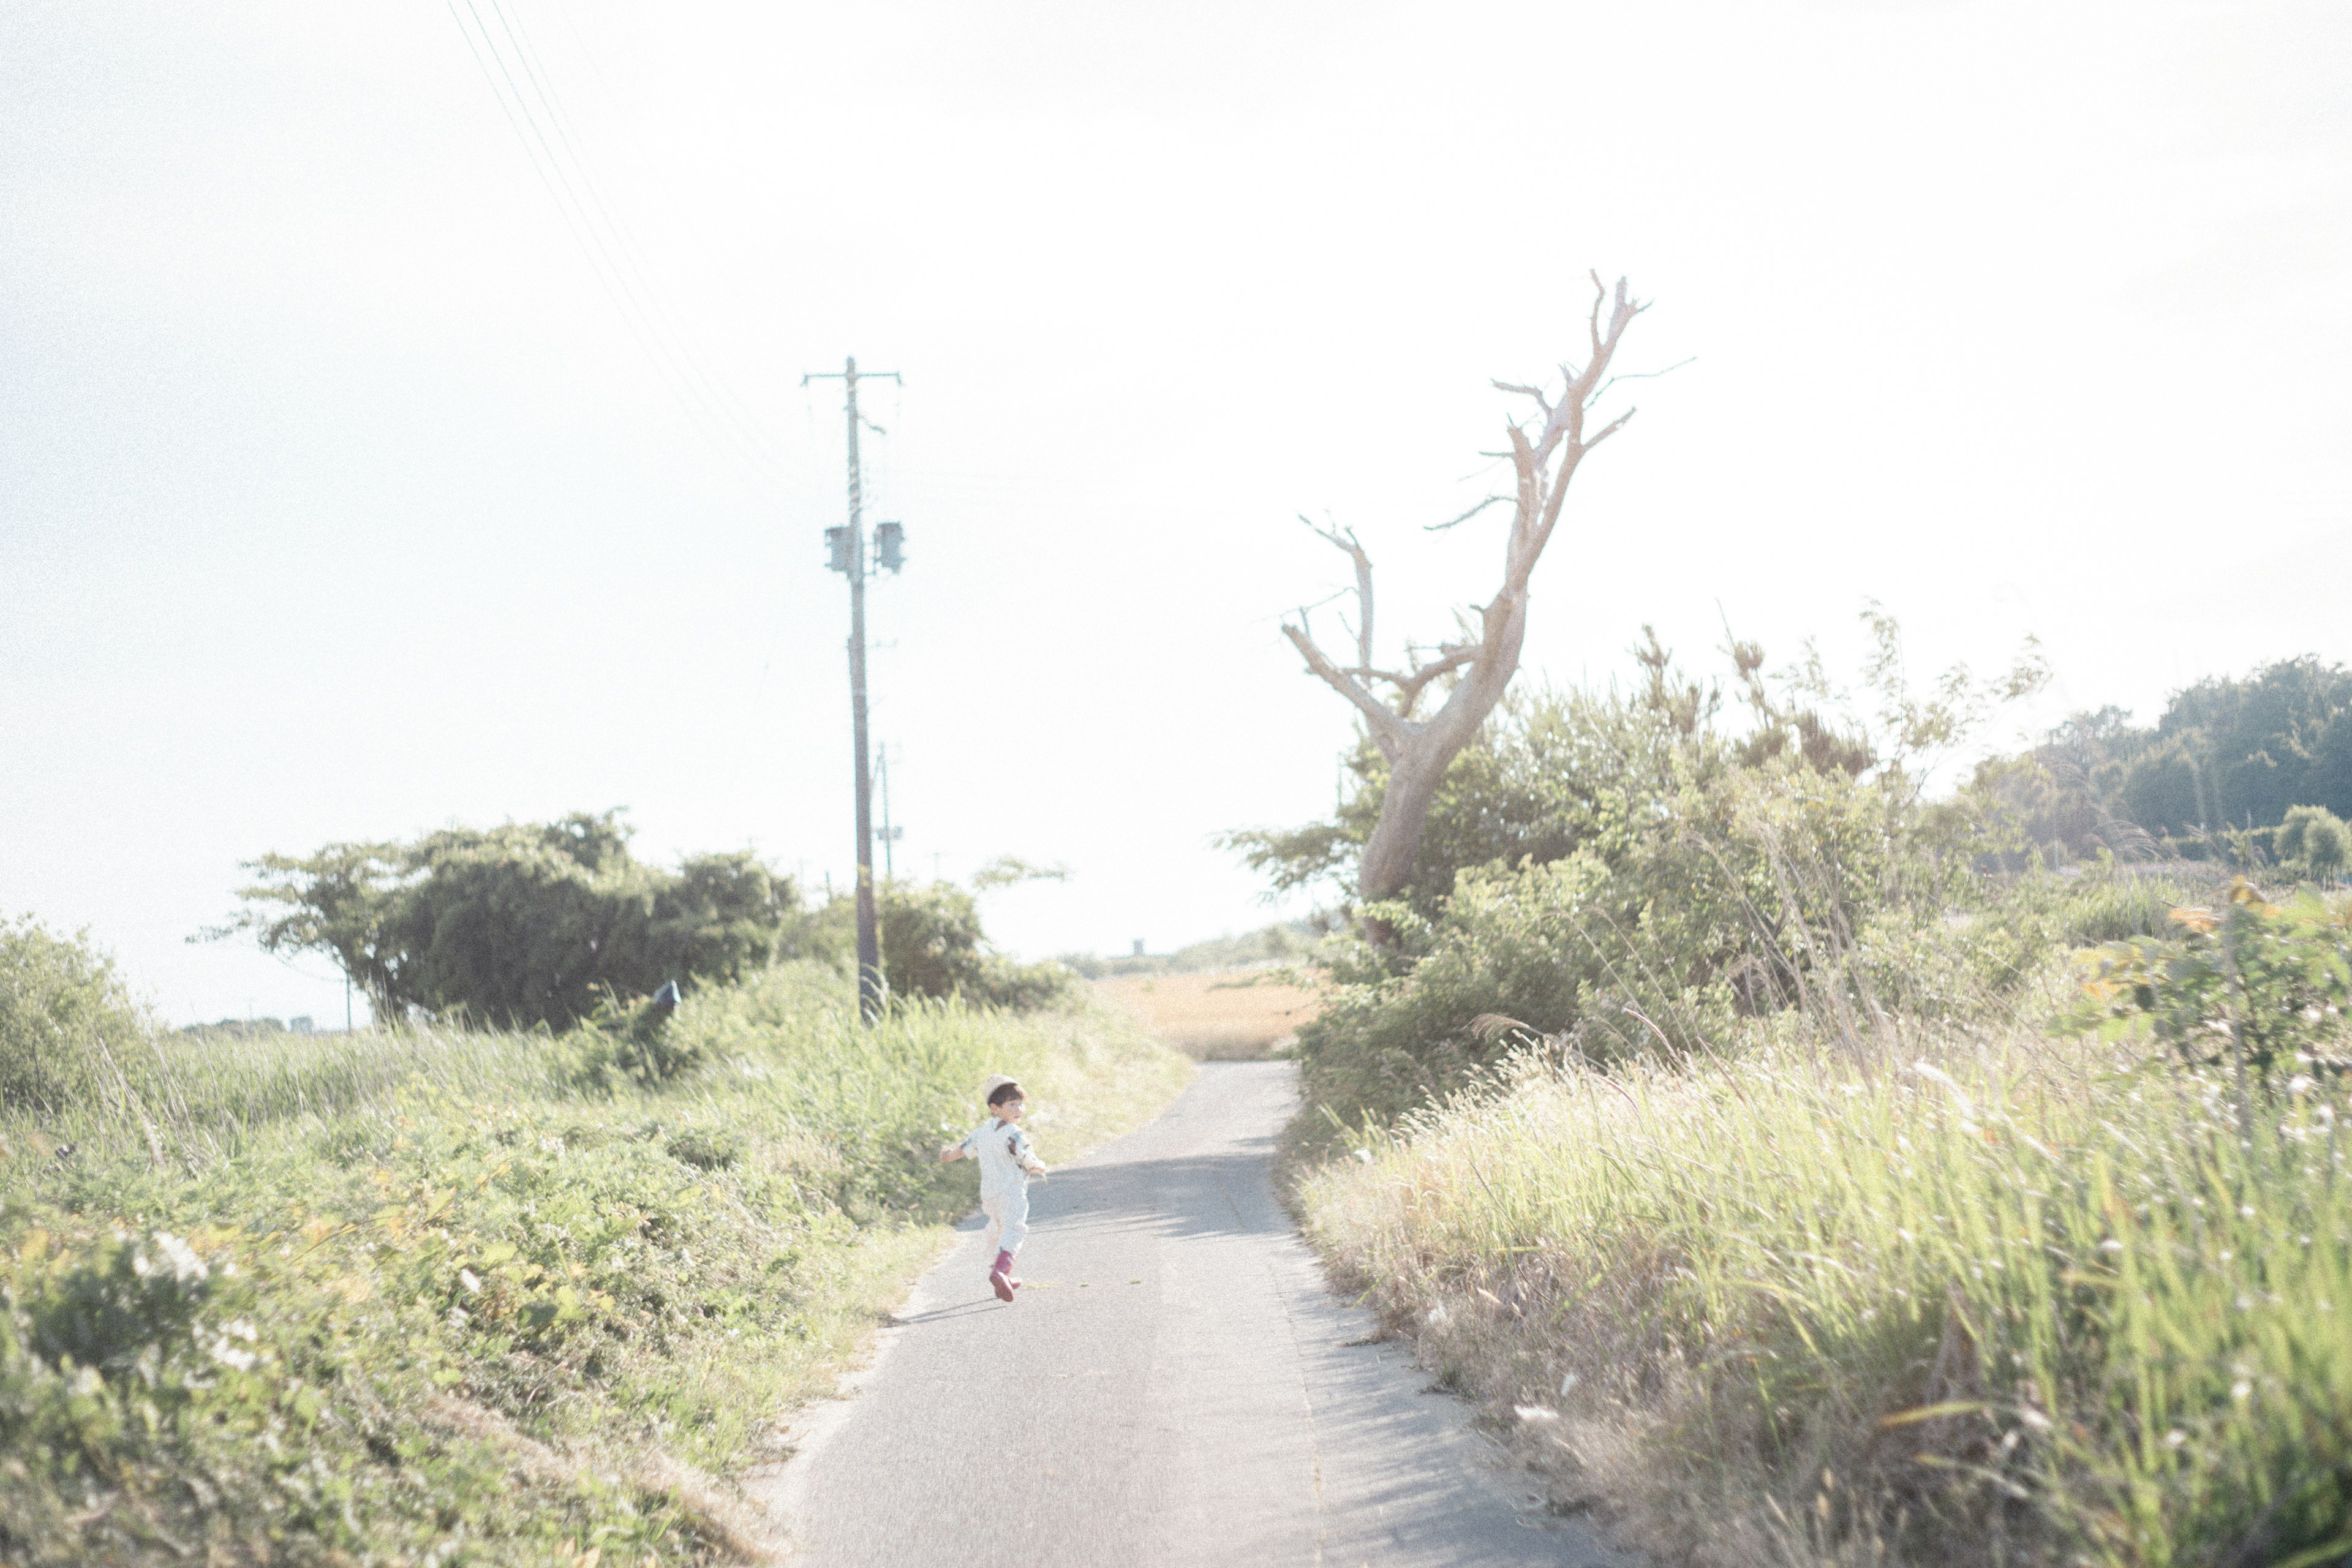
pixel 1176 1386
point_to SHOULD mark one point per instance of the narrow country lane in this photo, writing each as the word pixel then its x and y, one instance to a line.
pixel 1176 1386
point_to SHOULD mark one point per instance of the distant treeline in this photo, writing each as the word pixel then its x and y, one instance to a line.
pixel 2225 755
pixel 1291 942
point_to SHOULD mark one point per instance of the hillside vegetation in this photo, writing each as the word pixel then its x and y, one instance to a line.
pixel 1796 1185
pixel 441 1296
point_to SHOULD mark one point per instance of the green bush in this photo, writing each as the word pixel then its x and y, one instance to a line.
pixel 428 1303
pixel 932 946
pixel 2252 984
pixel 628 1041
pixel 527 923
pixel 64 1016
pixel 1729 895
pixel 2315 839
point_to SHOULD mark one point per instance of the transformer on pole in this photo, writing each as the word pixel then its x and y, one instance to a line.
pixel 846 553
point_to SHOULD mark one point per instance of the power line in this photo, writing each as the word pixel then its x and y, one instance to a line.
pixel 558 182
pixel 509 16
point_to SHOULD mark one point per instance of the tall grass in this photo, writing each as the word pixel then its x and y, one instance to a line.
pixel 437 1294
pixel 1990 1298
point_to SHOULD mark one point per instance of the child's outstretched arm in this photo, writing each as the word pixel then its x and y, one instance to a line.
pixel 952 1153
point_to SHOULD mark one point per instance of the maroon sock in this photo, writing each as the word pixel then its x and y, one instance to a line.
pixel 1004 1264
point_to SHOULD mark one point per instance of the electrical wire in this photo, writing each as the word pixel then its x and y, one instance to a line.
pixel 510 15
pixel 758 467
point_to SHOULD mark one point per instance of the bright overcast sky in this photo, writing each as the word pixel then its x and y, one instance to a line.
pixel 359 475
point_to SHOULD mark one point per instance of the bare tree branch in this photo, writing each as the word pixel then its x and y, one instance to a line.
pixel 1545 452
pixel 1410 687
pixel 1482 506
pixel 1389 732
pixel 1644 374
pixel 1344 540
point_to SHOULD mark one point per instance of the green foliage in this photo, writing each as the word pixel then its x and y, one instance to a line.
pixel 628 1041
pixel 523 924
pixel 2315 839
pixel 2260 984
pixel 65 1018
pixel 2011 1302
pixel 1552 771
pixel 1755 892
pixel 1627 873
pixel 442 1302
pixel 933 946
pixel 1544 777
pixel 2225 752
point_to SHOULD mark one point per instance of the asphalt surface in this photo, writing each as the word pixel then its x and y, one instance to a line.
pixel 1176 1386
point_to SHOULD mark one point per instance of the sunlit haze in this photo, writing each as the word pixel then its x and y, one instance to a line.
pixel 402 420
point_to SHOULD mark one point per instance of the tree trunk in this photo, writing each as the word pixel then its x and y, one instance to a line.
pixel 1419 750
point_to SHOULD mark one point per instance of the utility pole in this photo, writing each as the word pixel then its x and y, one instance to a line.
pixel 848 557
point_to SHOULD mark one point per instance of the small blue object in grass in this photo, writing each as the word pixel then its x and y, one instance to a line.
pixel 667 999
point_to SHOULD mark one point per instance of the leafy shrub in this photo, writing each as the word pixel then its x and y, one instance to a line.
pixel 2315 838
pixel 632 1042
pixel 2260 982
pixel 932 946
pixel 527 923
pixel 1733 895
pixel 2109 908
pixel 63 1013
pixel 451 1311
pixel 705 1148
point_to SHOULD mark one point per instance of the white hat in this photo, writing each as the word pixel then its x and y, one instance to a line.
pixel 995 1083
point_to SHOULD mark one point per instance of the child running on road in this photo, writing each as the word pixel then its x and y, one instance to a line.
pixel 1006 1164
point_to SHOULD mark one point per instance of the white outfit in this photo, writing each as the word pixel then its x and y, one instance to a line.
pixel 1005 1155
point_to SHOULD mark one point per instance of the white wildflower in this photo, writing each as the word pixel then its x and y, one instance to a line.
pixel 179 1257
pixel 229 1354
pixel 470 1280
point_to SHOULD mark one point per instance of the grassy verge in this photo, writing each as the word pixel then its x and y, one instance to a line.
pixel 421 1299
pixel 1990 1298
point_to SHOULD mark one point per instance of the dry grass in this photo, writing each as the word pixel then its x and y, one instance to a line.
pixel 2008 1300
pixel 1227 1015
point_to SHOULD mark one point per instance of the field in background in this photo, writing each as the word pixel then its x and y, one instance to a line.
pixel 1226 1016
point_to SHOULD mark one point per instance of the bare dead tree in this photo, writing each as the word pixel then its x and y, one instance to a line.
pixel 1545 452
